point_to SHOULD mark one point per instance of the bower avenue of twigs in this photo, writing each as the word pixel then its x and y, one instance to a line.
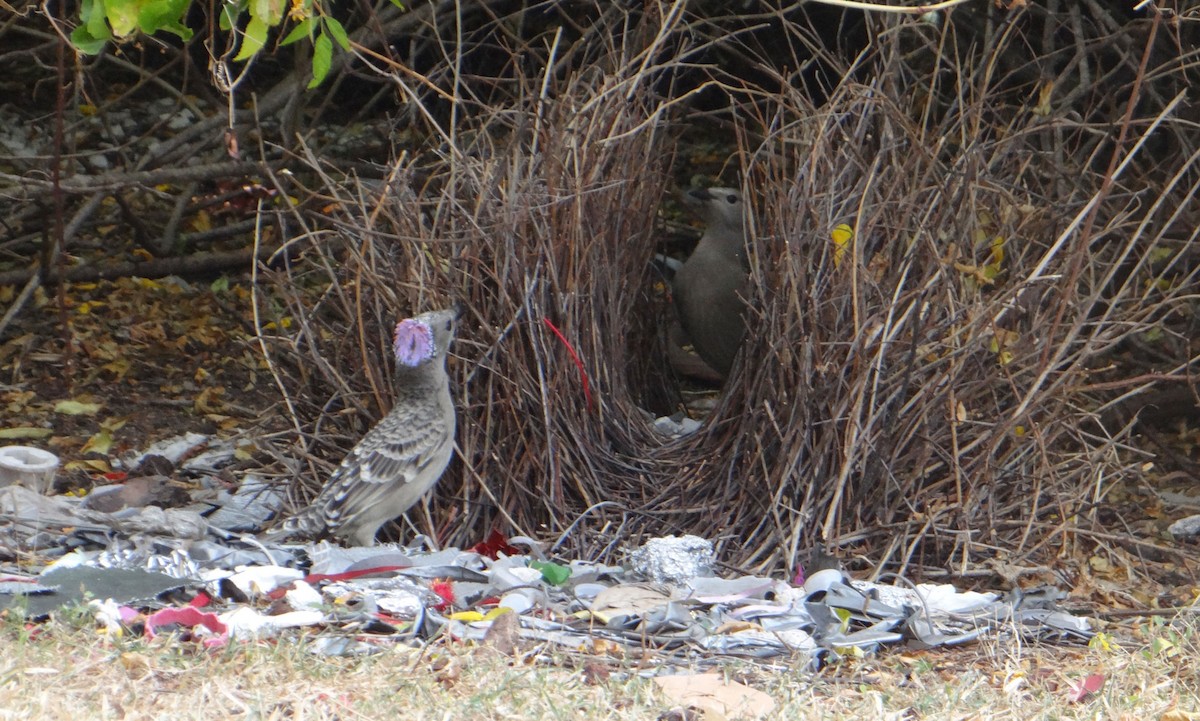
pixel 938 391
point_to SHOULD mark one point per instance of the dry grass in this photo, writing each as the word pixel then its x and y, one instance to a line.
pixel 69 671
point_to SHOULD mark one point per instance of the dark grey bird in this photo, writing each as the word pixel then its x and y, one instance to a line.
pixel 403 456
pixel 711 286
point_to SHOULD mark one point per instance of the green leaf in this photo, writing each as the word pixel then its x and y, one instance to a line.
pixel 338 32
pixel 254 39
pixel 322 58
pixel 83 41
pixel 552 573
pixel 229 15
pixel 122 16
pixel 162 15
pixel 269 11
pixel 303 29
pixel 399 4
pixel 844 616
pixel 220 285
pixel 93 16
pixel 179 29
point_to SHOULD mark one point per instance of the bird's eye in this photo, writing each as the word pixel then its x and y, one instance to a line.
pixel 449 324
pixel 731 199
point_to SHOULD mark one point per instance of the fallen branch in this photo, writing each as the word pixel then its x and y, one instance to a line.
pixel 157 268
pixel 30 186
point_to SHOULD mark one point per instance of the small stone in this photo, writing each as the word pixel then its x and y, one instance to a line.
pixel 180 120
pixel 1185 527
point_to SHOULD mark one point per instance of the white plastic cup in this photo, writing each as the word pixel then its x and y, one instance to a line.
pixel 27 466
pixel 822 581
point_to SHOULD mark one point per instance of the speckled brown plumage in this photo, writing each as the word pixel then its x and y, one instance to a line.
pixel 403 456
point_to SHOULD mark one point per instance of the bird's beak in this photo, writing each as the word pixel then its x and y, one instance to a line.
pixel 697 196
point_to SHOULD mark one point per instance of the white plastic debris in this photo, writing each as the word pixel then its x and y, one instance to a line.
pixel 303 597
pixel 38 511
pixel 674 428
pixel 519 601
pixel 247 508
pixel 27 466
pixel 399 604
pixel 246 623
pixel 172 522
pixel 948 599
pixel 503 578
pixel 588 591
pixel 261 580
pixel 74 559
pixel 710 589
pixel 173 449
pixel 822 580
pixel 942 598
pixel 215 456
pixel 108 614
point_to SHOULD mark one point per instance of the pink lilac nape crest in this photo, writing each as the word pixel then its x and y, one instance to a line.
pixel 414 342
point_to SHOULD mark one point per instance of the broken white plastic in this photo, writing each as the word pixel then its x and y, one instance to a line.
pixel 30 467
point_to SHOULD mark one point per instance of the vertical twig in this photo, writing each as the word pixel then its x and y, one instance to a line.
pixel 58 249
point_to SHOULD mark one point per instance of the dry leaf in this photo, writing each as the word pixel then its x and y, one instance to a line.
pixel 76 408
pixel 10 434
pixel 629 599
pixel 100 443
pixel 1086 688
pixel 712 693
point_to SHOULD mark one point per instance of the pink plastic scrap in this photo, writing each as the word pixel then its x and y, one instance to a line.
pixel 189 617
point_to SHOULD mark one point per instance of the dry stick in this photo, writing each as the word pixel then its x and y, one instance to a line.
pixel 854 428
pixel 1053 363
pixel 360 320
pixel 115 181
pixel 541 356
pixel 668 24
pixel 874 7
pixel 540 116
pixel 1146 258
pixel 1038 275
pixel 32 276
pixel 59 240
pixel 262 341
pixel 22 298
pixel 148 269
pixel 521 530
pixel 157 268
pixel 170 231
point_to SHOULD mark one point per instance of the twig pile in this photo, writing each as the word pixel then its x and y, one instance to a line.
pixel 948 382
pixel 928 391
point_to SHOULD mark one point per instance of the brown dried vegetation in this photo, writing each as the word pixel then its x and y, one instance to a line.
pixel 953 386
pixel 939 390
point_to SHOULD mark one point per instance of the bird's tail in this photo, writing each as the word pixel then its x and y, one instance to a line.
pixel 306 524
